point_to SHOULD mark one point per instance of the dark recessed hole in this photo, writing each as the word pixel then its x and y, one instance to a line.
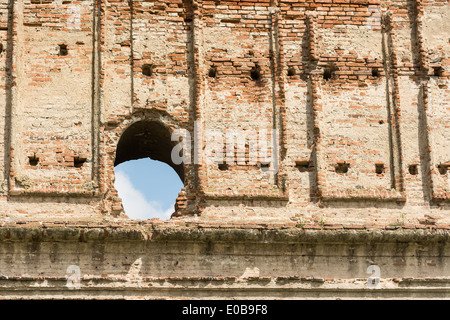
pixel 327 74
pixel 33 160
pixel 147 70
pixel 63 51
pixel 223 166
pixel 212 72
pixel 1 47
pixel 342 167
pixel 413 169
pixel 329 71
pixel 255 73
pixel 438 71
pixel 381 122
pixel 78 162
pixel 442 169
pixel 291 72
pixel 379 168
pixel 316 131
pixel 375 72
pixel 302 165
pixel 264 165
pixel 148 139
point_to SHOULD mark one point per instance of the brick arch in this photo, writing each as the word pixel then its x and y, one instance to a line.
pixel 145 134
pixel 147 139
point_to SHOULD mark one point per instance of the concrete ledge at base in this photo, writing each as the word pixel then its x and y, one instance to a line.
pixel 188 260
pixel 221 288
pixel 217 232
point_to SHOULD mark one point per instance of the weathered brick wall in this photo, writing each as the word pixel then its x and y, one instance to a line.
pixel 51 119
pixel 357 91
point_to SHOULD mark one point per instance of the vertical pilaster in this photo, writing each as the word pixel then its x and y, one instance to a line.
pixel 278 91
pixel 97 76
pixel 392 76
pixel 199 89
pixel 315 107
pixel 422 55
pixel 424 116
pixel 14 63
pixel 9 85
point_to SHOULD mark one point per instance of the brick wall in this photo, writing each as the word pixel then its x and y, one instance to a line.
pixel 357 91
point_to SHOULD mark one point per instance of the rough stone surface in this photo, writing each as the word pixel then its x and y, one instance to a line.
pixel 356 89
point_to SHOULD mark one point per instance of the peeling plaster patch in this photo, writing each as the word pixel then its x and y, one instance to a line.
pixel 363 40
pixel 39 284
pixel 436 26
pixel 250 273
pixel 133 273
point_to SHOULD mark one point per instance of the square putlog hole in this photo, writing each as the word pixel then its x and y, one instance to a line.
pixel 264 166
pixel 329 71
pixel 255 73
pixel 438 71
pixel 342 167
pixel 223 166
pixel 33 160
pixel 379 168
pixel 78 162
pixel 212 73
pixel 303 165
pixel 375 72
pixel 63 51
pixel 291 72
pixel 147 70
pixel 413 169
pixel 443 168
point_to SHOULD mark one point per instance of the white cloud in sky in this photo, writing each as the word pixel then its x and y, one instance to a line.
pixel 134 202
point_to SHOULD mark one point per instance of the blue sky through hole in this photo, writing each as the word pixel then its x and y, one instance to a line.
pixel 148 188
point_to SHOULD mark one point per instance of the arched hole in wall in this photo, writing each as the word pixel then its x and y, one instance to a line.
pixel 146 178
